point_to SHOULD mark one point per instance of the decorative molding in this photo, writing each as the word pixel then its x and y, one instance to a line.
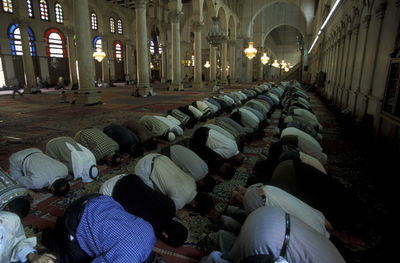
pixel 197 26
pixel 140 4
pixel 365 21
pixel 175 16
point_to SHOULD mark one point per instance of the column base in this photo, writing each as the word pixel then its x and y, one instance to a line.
pixel 143 91
pixel 176 87
pixel 197 85
pixel 88 97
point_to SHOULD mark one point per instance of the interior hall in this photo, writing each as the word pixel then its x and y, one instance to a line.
pixel 210 131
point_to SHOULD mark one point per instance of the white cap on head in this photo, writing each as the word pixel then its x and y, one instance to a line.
pixel 171 136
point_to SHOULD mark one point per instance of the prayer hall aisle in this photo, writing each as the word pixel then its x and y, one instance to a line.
pixel 33 120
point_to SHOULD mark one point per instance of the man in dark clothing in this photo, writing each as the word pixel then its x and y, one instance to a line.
pixel 127 141
pixel 156 208
pixel 144 135
pixel 96 228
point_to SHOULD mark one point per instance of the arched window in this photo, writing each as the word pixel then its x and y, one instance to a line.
pixel 153 48
pixel 97 43
pixel 112 25
pixel 29 8
pixel 118 50
pixel 119 27
pixel 8 6
pixel 93 21
pixel 14 34
pixel 55 44
pixel 44 10
pixel 59 13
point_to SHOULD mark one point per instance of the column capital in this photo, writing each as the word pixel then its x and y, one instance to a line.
pixel 141 3
pixel 232 42
pixel 380 10
pixel 175 16
pixel 197 26
pixel 356 29
pixel 69 30
pixel 366 20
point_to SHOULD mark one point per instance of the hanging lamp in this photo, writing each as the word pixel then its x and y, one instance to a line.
pixel 215 37
pixel 99 55
pixel 250 51
pixel 265 58
pixel 276 64
pixel 207 65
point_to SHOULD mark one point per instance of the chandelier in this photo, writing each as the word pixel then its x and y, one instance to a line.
pixel 215 37
pixel 276 64
pixel 99 55
pixel 207 65
pixel 187 62
pixel 264 58
pixel 250 51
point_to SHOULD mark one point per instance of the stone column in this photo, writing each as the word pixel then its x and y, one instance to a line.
pixel 224 62
pixel 249 70
pixel 174 17
pixel 142 51
pixel 105 64
pixel 198 64
pixel 71 50
pixel 29 71
pixel 352 58
pixel 164 66
pixel 88 94
pixel 213 62
pixel 232 60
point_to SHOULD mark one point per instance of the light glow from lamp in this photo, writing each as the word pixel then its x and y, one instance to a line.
pixel 207 65
pixel 264 58
pixel 99 55
pixel 276 64
pixel 324 24
pixel 250 51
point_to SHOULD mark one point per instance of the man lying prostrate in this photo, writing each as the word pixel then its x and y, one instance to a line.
pixel 95 228
pixel 80 161
pixel 15 246
pixel 127 141
pixel 305 142
pixel 172 124
pixel 192 164
pixel 145 137
pixel 35 170
pixel 158 128
pixel 222 145
pixel 142 201
pixel 271 232
pixel 161 174
pixel 103 147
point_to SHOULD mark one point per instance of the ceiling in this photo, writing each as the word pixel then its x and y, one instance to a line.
pixel 284 35
pixel 127 3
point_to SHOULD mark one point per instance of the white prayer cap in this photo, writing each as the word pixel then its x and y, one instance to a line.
pixel 171 136
pixel 253 198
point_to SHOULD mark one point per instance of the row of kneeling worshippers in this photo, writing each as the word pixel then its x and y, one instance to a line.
pixel 122 222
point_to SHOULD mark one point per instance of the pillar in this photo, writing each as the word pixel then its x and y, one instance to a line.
pixel 87 94
pixel 213 62
pixel 164 66
pixel 29 72
pixel 224 62
pixel 176 83
pixel 71 50
pixel 198 64
pixel 232 60
pixel 142 55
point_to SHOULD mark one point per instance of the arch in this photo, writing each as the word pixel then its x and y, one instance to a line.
pixel 94 24
pixel 8 6
pixel 155 47
pixel 44 10
pixel 231 28
pixel 59 13
pixel 14 34
pixel 118 50
pixel 55 41
pixel 223 19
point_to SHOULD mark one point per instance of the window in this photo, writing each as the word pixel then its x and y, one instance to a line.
pixel 29 9
pixel 14 35
pixel 118 50
pixel 97 44
pixel 112 25
pixel 119 27
pixel 153 48
pixel 8 6
pixel 93 21
pixel 59 13
pixel 2 79
pixel 55 44
pixel 44 10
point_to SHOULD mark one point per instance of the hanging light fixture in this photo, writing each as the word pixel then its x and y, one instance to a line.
pixel 250 51
pixel 151 65
pixel 99 55
pixel 276 64
pixel 265 58
pixel 215 37
pixel 207 65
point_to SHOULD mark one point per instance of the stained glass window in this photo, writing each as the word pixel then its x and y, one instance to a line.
pixel 8 6
pixel 55 44
pixel 59 13
pixel 44 10
pixel 93 21
pixel 112 25
pixel 97 43
pixel 14 33
pixel 118 50
pixel 29 9
pixel 119 27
